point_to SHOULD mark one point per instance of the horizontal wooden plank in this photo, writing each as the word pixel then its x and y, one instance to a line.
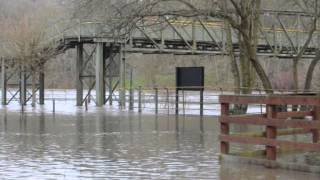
pixel 270 99
pixel 292 166
pixel 270 142
pixel 284 115
pixel 280 132
pixel 279 123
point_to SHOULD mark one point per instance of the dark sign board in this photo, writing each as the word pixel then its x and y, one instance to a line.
pixel 190 78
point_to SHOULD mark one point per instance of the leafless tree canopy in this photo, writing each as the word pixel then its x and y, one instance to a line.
pixel 27 32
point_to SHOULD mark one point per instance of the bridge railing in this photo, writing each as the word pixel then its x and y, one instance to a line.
pixel 276 33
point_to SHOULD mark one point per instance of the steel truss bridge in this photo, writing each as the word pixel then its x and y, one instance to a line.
pixel 100 61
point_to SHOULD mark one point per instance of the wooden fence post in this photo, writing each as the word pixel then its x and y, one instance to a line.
pixel 316 117
pixel 156 99
pixel 271 133
pixel 224 146
pixel 140 99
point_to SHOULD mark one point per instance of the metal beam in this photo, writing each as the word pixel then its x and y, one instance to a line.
pixel 287 34
pixel 147 36
pixel 209 34
pixel 178 33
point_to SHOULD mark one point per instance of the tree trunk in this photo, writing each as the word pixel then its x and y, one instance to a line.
pixel 307 85
pixel 295 75
pixel 233 62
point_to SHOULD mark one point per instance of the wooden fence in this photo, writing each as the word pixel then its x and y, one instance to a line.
pixel 274 121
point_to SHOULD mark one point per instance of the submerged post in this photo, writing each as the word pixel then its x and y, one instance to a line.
pixel 54 105
pixel 86 104
pixel 156 100
pixel 23 87
pixel 139 99
pixel 41 85
pixel 131 101
pixel 168 101
pixel 201 102
pixel 201 110
pixel 131 96
pixel 110 90
pixel 3 82
pixel 79 64
pixel 177 102
pixel 100 72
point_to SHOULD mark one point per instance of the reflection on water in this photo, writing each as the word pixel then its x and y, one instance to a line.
pixel 117 145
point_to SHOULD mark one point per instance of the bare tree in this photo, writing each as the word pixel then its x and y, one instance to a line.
pixel 309 7
pixel 28 39
pixel 242 16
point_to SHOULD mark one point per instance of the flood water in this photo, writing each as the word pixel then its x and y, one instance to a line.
pixel 104 144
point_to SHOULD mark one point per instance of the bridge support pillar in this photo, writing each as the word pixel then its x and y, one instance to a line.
pixel 110 75
pixel 122 101
pixel 23 86
pixel 3 82
pixel 79 64
pixel 100 74
pixel 41 86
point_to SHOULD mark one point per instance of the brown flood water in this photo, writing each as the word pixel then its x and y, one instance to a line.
pixel 114 145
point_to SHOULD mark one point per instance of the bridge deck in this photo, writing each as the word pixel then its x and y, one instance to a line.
pixel 280 34
pixel 178 46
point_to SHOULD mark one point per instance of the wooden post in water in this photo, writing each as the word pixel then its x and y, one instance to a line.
pixel 201 110
pixel 168 102
pixel 86 104
pixel 54 105
pixel 156 100
pixel 183 103
pixel 224 146
pixel 271 133
pixel 177 102
pixel 139 100
pixel 131 96
pixel 3 82
pixel 23 86
pixel 131 101
pixel 316 117
pixel 201 103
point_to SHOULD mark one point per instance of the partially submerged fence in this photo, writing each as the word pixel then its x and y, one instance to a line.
pixel 284 115
pixel 161 100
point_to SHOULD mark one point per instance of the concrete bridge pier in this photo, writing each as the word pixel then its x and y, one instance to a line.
pixel 122 100
pixel 79 67
pixel 110 73
pixel 97 68
pixel 100 74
